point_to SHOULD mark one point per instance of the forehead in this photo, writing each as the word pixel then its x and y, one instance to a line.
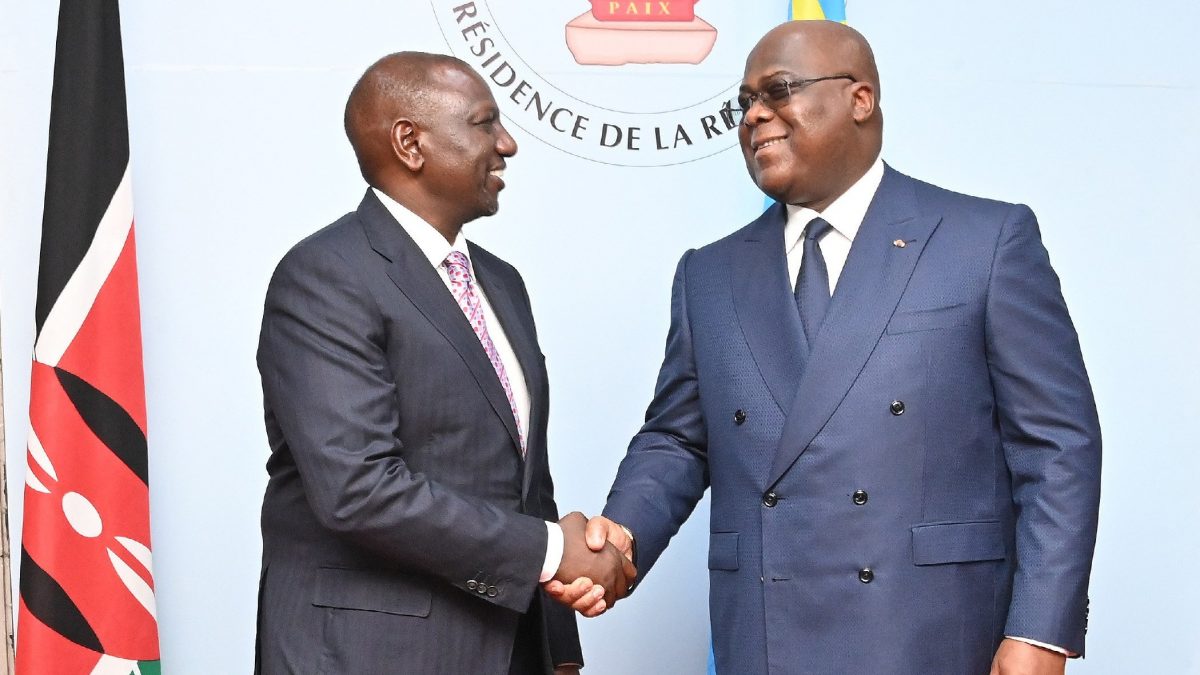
pixel 462 86
pixel 786 55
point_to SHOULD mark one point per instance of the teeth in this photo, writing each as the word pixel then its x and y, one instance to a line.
pixel 770 142
pixel 498 173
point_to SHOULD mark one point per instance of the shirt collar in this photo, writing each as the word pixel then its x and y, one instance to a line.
pixel 430 241
pixel 845 214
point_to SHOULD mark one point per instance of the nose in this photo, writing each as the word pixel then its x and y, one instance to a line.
pixel 506 145
pixel 757 112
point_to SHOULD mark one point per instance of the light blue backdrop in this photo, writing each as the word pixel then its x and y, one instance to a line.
pixel 1085 111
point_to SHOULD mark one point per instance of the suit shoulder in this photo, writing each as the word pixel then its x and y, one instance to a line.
pixel 933 198
pixel 331 247
pixel 754 229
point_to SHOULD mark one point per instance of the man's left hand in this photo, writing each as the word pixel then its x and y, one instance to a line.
pixel 1021 658
pixel 566 670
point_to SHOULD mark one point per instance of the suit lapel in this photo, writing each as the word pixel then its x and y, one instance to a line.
pixel 876 273
pixel 517 323
pixel 410 270
pixel 766 307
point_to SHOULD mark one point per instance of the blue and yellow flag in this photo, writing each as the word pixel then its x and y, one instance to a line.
pixel 834 10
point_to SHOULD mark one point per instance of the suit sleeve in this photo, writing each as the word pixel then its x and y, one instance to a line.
pixel 1051 436
pixel 665 471
pixel 327 381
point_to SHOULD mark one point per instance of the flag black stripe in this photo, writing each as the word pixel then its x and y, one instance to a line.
pixel 109 421
pixel 46 600
pixel 89 140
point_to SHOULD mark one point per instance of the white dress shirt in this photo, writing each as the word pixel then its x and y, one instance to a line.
pixel 436 248
pixel 845 215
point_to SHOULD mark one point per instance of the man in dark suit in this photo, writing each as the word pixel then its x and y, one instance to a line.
pixel 409 518
pixel 905 476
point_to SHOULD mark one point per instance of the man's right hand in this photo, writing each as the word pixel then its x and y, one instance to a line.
pixel 601 533
pixel 604 565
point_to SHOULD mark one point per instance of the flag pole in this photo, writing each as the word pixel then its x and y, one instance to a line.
pixel 6 550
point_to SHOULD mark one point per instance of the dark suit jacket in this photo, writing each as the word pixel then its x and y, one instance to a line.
pixel 402 531
pixel 921 484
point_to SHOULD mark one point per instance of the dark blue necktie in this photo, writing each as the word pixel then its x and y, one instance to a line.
pixel 812 284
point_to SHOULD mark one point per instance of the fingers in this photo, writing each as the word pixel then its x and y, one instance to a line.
pixel 581 595
pixel 595 610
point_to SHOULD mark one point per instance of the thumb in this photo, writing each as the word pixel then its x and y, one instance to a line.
pixel 597 532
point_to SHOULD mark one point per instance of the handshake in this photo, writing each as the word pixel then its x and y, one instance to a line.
pixel 597 564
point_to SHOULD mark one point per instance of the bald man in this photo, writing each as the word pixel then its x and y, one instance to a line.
pixel 880 382
pixel 409 518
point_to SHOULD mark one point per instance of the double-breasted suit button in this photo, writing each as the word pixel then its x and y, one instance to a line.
pixel 770 500
pixel 859 497
pixel 897 407
pixel 739 416
pixel 865 575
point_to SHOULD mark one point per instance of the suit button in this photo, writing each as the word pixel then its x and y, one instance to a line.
pixel 865 575
pixel 472 585
pixel 897 407
pixel 492 592
pixel 770 500
pixel 739 417
pixel 482 589
pixel 860 497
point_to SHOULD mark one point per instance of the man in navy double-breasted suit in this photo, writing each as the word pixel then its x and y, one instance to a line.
pixel 880 382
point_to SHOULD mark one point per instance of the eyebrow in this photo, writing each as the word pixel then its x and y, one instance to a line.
pixel 770 76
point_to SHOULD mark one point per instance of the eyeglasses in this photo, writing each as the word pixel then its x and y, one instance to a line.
pixel 773 96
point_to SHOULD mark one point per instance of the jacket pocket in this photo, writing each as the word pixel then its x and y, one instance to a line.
pixel 941 543
pixel 929 319
pixel 723 551
pixel 370 590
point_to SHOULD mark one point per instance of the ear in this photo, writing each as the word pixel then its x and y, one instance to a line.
pixel 863 100
pixel 406 144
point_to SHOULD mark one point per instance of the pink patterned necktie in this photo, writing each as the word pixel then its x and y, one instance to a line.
pixel 463 288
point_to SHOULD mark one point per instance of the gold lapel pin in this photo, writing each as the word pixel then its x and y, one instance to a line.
pixel 899 243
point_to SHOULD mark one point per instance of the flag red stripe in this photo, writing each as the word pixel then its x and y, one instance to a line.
pixel 35 640
pixel 107 350
pixel 80 563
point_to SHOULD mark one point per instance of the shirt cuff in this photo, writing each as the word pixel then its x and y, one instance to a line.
pixel 554 551
pixel 1043 645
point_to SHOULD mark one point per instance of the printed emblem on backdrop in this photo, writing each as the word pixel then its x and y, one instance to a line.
pixel 633 83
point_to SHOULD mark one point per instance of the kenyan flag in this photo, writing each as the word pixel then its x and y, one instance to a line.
pixel 86 587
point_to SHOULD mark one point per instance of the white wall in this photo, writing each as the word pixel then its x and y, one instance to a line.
pixel 1084 112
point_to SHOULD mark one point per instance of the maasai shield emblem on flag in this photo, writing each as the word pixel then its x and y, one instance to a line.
pixel 86 587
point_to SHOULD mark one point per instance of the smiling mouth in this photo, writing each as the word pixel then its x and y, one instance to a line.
pixel 759 145
pixel 498 173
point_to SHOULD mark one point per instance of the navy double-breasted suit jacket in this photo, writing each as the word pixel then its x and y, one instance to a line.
pixel 403 532
pixel 898 496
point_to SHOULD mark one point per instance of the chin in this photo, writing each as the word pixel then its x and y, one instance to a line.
pixel 775 189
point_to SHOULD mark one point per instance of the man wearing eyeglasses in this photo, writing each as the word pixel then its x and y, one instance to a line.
pixel 881 383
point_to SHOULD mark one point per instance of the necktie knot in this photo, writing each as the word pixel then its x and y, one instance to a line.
pixel 457 263
pixel 817 227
